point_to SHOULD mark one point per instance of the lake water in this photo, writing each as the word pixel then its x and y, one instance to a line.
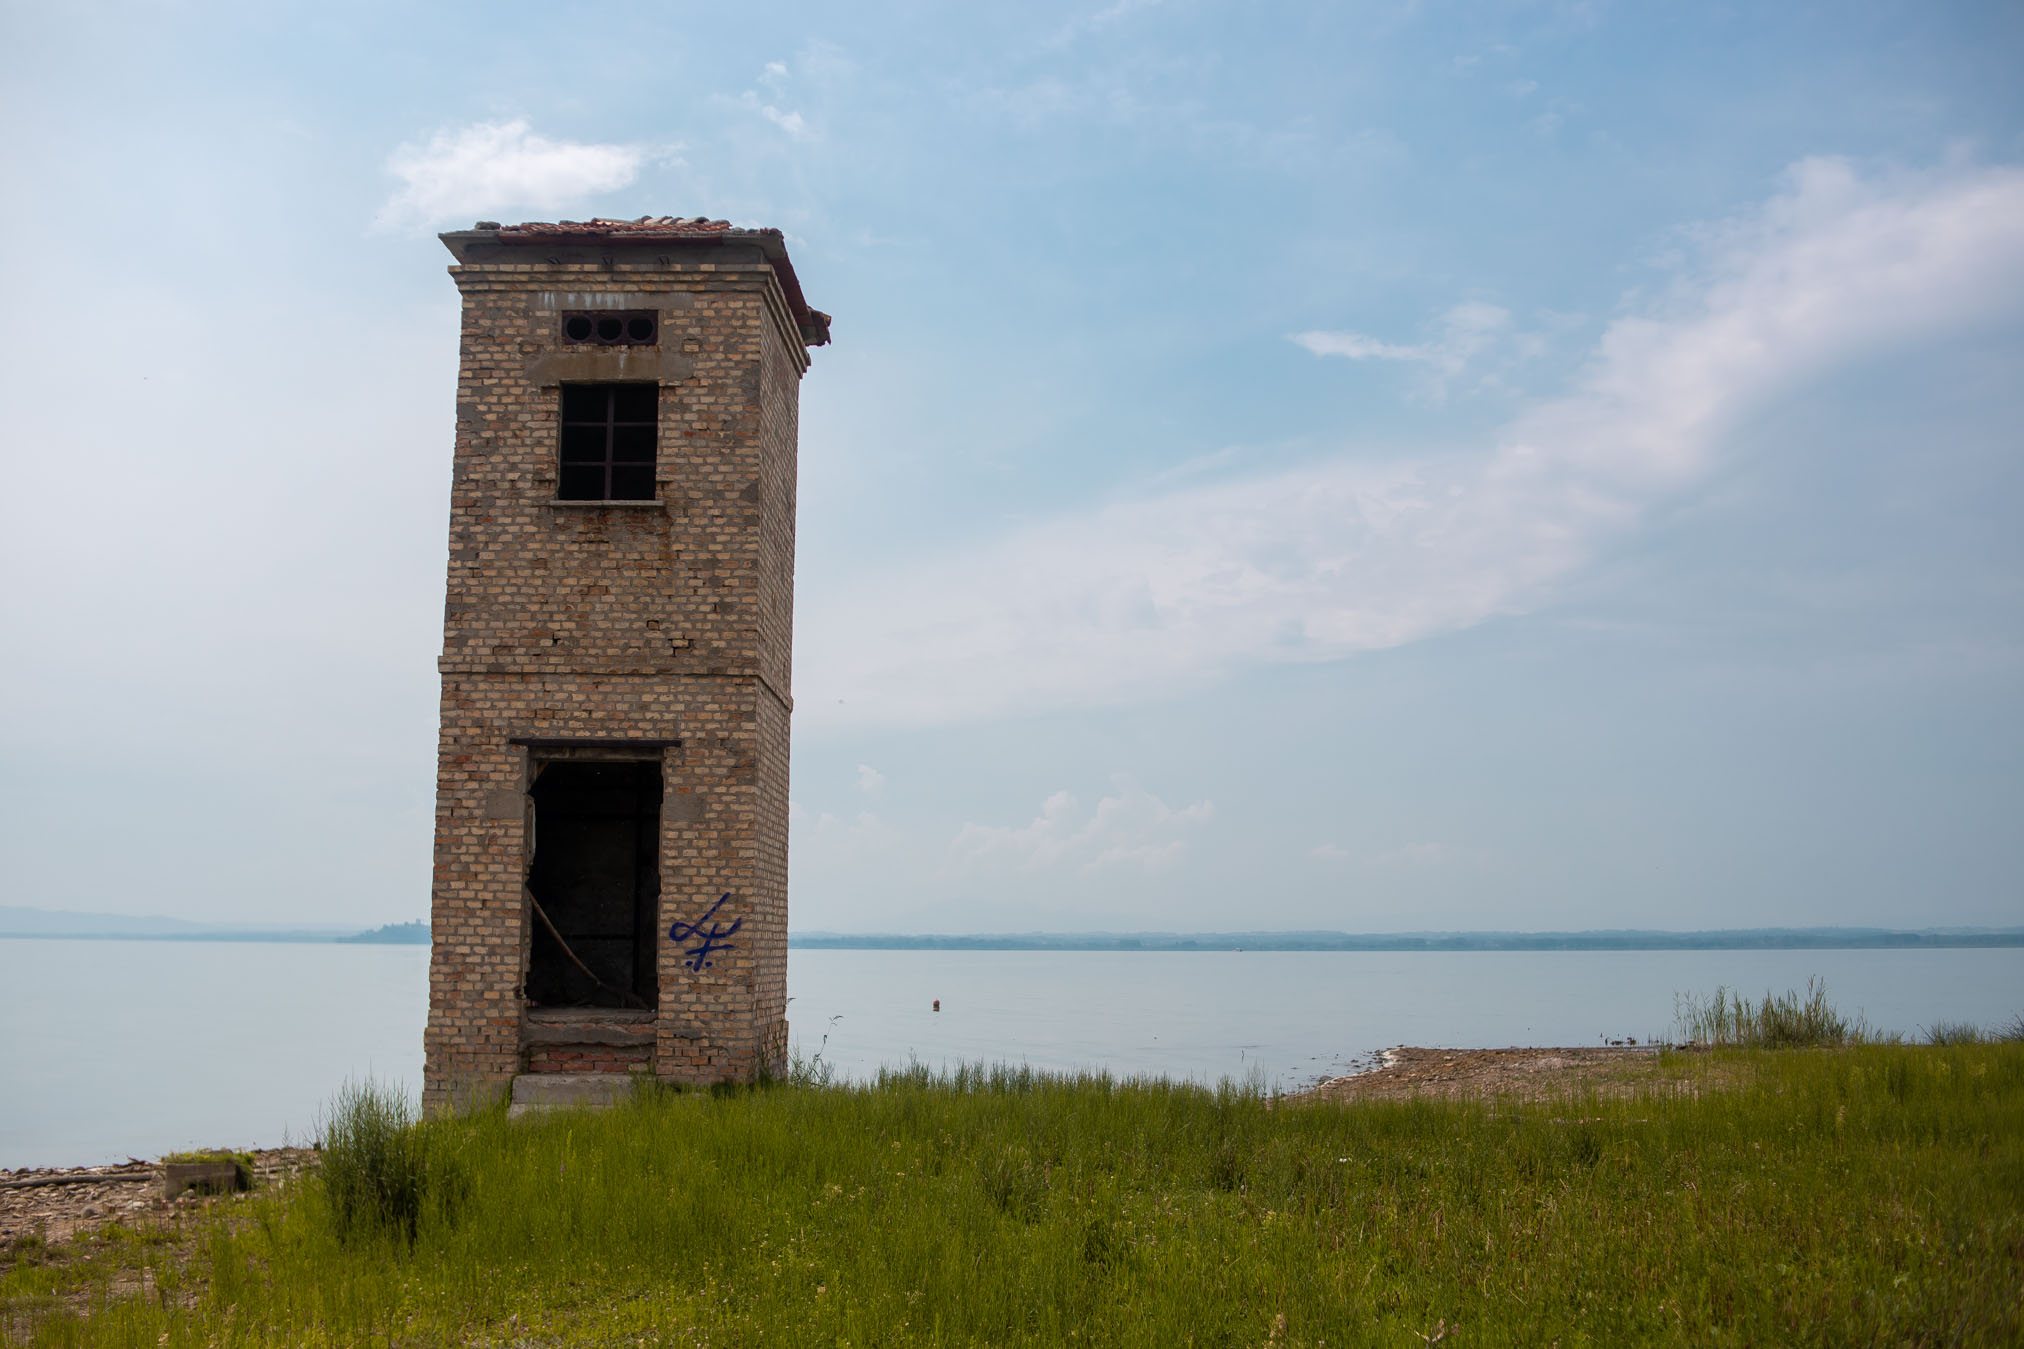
pixel 111 1048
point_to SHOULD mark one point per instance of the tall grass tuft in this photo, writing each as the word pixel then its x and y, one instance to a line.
pixel 1968 1033
pixel 1784 1021
pixel 812 1070
pixel 383 1167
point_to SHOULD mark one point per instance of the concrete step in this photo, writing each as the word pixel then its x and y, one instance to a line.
pixel 562 1091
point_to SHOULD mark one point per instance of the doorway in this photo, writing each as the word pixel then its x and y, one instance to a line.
pixel 595 881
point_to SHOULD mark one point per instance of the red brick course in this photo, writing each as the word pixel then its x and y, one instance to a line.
pixel 606 1059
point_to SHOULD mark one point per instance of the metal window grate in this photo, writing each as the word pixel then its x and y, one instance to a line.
pixel 609 328
pixel 609 432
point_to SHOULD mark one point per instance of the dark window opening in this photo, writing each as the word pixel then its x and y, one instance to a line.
pixel 609 432
pixel 626 328
pixel 596 885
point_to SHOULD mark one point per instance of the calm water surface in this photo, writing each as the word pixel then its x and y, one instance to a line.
pixel 112 1048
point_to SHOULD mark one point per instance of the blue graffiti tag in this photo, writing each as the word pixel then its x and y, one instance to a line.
pixel 709 940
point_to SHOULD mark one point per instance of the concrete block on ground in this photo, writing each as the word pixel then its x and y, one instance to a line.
pixel 563 1091
pixel 203 1177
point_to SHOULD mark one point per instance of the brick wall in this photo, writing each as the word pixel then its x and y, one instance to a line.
pixel 668 621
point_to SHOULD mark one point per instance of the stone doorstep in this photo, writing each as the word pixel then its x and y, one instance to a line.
pixel 533 1092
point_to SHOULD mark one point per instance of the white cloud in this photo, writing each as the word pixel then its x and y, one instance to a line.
pixel 864 832
pixel 790 122
pixel 1103 18
pixel 1415 855
pixel 869 779
pixel 492 166
pixel 1329 852
pixel 1465 63
pixel 1175 591
pixel 1464 333
pixel 1132 827
pixel 1357 347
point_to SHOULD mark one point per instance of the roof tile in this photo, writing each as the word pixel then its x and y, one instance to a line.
pixel 651 226
pixel 813 322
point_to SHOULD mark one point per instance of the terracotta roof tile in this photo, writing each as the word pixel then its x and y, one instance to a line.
pixel 814 323
pixel 647 226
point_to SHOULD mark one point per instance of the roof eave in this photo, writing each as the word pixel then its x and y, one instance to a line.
pixel 812 323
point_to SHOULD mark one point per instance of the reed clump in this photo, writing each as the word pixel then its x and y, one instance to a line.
pixel 1968 1033
pixel 1789 1020
pixel 383 1169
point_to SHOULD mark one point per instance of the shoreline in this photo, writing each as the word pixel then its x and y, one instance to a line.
pixel 1477 1074
pixel 59 1203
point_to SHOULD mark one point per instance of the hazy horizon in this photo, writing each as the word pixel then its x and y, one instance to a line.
pixel 26 921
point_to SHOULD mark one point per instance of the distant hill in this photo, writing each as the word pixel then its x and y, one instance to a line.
pixel 17 921
pixel 20 922
pixel 1733 939
pixel 394 934
pixel 28 922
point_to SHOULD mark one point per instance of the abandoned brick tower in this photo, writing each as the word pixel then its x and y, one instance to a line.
pixel 611 793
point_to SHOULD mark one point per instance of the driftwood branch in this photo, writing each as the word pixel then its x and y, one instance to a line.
pixel 84 1178
pixel 632 999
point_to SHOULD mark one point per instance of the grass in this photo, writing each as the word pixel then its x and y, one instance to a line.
pixel 1967 1033
pixel 1873 1194
pixel 1785 1021
pixel 1793 1020
pixel 384 1169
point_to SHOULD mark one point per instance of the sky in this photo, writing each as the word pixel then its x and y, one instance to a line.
pixel 1374 467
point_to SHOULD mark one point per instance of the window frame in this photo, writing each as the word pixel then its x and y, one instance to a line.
pixel 609 446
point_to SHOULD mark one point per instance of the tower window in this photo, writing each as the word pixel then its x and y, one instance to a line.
pixel 608 436
pixel 609 328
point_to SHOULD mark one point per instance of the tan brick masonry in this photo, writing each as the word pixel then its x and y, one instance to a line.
pixel 669 621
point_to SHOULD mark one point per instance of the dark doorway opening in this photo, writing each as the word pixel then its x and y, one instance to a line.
pixel 596 884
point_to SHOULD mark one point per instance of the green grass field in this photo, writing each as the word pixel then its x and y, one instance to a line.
pixel 1864 1195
